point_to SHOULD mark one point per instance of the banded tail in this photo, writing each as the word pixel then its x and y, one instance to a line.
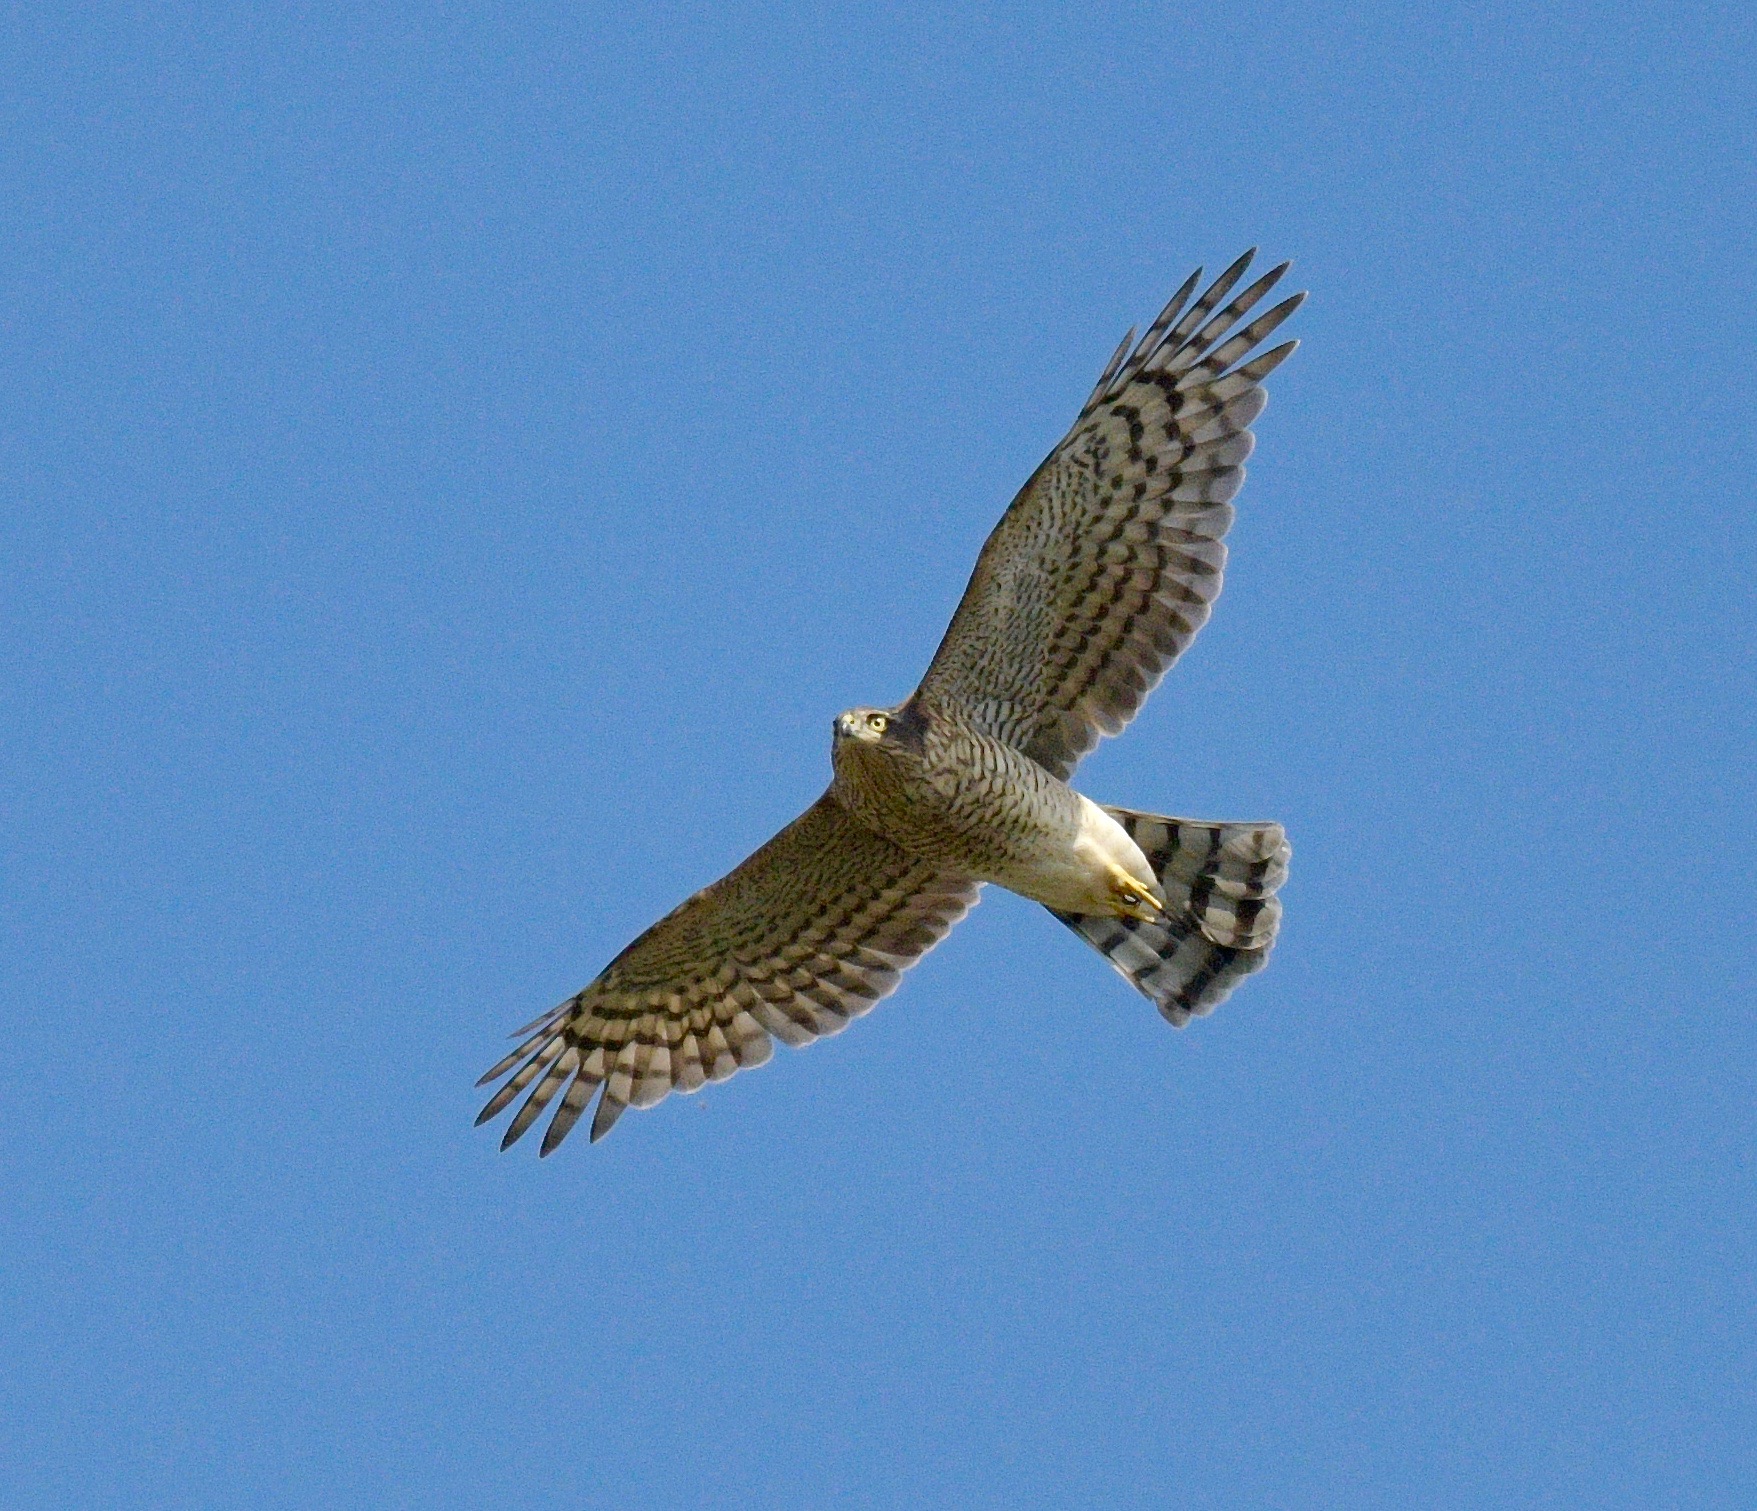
pixel 1221 911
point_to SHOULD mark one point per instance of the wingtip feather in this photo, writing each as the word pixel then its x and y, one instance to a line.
pixel 609 1110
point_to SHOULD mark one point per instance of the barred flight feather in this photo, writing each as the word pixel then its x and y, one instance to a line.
pixel 1221 911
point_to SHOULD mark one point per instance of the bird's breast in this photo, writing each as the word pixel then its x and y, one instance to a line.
pixel 968 802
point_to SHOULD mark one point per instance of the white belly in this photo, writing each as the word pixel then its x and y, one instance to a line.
pixel 1078 879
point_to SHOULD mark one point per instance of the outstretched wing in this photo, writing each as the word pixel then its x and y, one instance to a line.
pixel 799 940
pixel 1102 570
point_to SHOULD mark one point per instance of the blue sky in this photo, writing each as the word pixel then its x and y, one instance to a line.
pixel 456 460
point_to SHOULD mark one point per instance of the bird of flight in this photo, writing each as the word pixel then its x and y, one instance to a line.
pixel 1095 580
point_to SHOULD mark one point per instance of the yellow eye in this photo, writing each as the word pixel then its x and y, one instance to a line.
pixel 879 722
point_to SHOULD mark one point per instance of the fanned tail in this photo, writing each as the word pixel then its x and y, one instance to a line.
pixel 1221 912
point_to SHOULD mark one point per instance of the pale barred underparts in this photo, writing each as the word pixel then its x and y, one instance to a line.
pixel 1095 580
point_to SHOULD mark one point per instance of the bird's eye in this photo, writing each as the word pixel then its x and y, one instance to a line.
pixel 879 722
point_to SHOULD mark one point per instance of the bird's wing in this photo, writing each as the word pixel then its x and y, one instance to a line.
pixel 797 941
pixel 1102 570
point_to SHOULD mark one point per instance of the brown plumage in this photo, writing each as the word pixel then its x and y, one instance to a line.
pixel 1096 579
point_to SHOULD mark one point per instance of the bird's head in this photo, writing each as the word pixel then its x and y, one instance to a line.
pixel 868 725
pixel 897 732
pixel 878 745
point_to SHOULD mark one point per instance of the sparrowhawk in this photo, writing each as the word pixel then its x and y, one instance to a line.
pixel 1093 583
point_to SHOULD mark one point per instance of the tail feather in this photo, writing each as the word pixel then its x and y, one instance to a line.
pixel 1221 911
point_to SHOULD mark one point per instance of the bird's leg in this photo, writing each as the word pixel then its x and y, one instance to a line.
pixel 1129 899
